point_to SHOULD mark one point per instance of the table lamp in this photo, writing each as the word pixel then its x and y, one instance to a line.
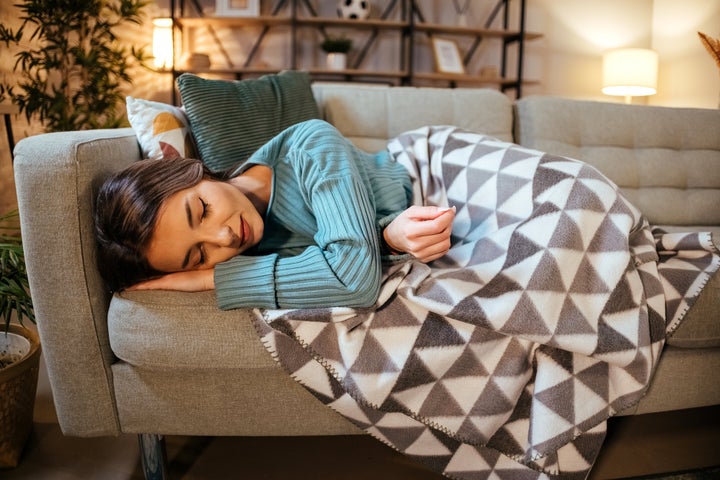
pixel 630 72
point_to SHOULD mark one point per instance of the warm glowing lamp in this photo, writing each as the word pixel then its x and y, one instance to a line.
pixel 630 72
pixel 163 43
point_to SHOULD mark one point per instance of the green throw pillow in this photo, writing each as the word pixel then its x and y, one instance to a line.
pixel 232 119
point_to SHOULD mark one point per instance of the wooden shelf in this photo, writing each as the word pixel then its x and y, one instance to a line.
pixel 468 78
pixel 469 31
pixel 230 71
pixel 359 24
pixel 8 109
pixel 232 22
pixel 349 72
pixel 236 22
pixel 359 72
pixel 406 23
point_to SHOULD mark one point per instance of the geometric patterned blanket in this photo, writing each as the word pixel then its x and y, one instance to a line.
pixel 506 356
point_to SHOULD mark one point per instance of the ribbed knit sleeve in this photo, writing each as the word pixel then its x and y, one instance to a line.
pixel 322 192
pixel 343 269
pixel 246 281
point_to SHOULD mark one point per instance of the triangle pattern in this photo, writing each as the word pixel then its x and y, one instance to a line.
pixel 504 359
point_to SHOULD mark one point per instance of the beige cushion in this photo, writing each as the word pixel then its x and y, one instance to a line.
pixel 160 329
pixel 666 160
pixel 370 114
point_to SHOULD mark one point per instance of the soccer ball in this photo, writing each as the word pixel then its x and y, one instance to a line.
pixel 353 9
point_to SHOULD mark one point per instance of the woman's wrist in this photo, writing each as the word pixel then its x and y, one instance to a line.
pixel 388 246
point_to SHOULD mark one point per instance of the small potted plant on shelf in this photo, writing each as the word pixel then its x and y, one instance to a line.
pixel 19 346
pixel 336 48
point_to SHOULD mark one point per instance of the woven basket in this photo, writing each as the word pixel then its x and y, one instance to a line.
pixel 18 385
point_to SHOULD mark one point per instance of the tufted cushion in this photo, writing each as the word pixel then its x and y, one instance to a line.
pixel 666 160
pixel 369 115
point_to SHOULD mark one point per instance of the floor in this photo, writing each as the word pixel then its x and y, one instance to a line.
pixel 635 446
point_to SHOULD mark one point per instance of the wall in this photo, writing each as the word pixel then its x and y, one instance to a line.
pixel 688 77
pixel 7 185
pixel 567 61
pixel 146 84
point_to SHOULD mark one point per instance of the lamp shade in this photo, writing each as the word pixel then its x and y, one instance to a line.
pixel 630 72
pixel 163 42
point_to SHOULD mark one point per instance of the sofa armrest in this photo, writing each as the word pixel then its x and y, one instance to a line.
pixel 56 177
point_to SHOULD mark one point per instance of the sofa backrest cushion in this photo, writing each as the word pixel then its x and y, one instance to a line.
pixel 371 114
pixel 665 160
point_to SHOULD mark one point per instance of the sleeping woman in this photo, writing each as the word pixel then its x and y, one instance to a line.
pixel 305 222
pixel 554 282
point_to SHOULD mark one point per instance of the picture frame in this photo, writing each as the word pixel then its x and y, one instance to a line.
pixel 237 8
pixel 447 56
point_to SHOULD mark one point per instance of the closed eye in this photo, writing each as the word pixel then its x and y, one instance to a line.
pixel 202 255
pixel 205 211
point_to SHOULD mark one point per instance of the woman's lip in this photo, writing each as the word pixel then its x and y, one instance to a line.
pixel 244 231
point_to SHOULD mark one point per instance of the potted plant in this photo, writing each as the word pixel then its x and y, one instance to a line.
pixel 336 48
pixel 70 65
pixel 19 346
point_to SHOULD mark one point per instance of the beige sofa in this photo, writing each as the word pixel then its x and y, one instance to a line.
pixel 164 363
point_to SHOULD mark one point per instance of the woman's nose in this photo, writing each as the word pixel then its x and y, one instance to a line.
pixel 225 237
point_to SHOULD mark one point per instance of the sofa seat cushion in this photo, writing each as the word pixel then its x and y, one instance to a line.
pixel 161 329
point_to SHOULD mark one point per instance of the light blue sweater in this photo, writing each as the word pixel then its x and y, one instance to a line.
pixel 323 227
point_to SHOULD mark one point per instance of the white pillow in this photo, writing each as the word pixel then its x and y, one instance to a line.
pixel 162 129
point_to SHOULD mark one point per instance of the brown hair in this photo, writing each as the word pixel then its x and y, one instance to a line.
pixel 126 211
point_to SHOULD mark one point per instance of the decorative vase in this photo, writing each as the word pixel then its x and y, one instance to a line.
pixel 336 61
pixel 18 386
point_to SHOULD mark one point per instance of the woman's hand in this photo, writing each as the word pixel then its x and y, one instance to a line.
pixel 423 232
pixel 190 281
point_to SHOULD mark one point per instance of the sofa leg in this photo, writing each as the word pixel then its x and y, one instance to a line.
pixel 153 456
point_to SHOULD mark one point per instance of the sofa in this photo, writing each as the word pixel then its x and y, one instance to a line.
pixel 170 363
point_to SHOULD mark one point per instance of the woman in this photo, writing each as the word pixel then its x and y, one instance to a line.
pixel 311 214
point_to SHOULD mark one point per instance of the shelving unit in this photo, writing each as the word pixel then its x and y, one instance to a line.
pixel 401 18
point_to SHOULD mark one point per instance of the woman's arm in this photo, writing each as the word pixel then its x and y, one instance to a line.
pixel 189 281
pixel 322 190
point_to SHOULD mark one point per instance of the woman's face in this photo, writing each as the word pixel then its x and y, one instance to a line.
pixel 203 225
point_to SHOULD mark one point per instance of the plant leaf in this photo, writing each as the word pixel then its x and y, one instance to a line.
pixel 712 45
